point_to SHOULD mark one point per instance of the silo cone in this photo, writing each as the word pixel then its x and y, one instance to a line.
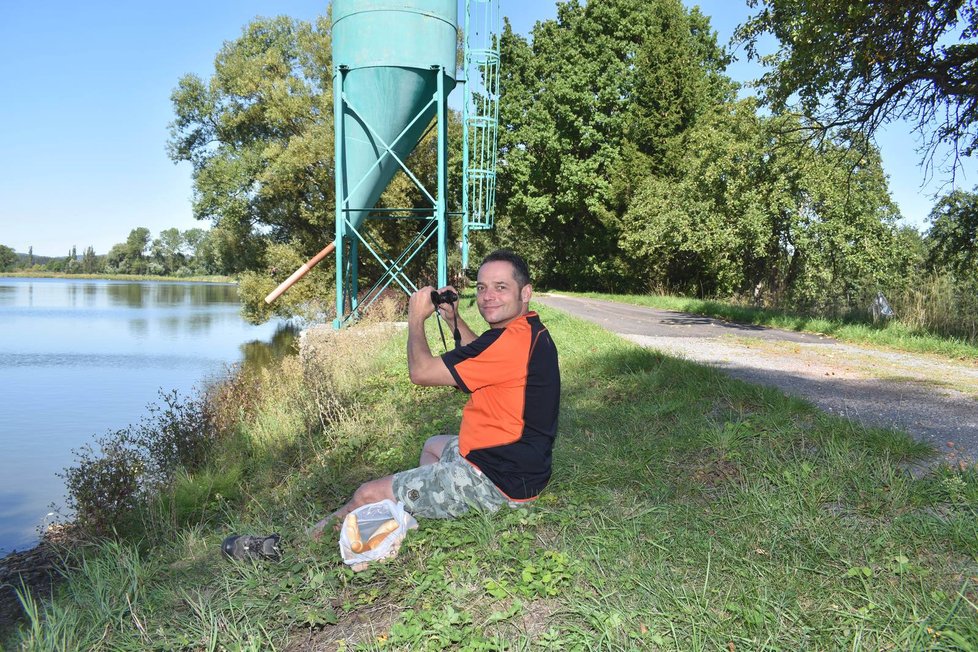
pixel 389 54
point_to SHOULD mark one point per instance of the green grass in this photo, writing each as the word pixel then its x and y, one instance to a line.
pixel 892 334
pixel 687 512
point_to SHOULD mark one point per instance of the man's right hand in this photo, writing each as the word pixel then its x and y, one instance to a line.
pixel 420 306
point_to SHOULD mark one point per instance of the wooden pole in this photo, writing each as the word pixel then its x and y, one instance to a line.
pixel 299 273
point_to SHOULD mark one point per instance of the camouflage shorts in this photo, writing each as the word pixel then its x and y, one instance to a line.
pixel 447 488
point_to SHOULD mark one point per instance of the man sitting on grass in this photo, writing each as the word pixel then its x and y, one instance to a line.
pixel 502 454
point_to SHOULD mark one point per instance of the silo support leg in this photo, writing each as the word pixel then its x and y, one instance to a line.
pixel 442 181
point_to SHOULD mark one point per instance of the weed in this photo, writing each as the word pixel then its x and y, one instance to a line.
pixel 439 629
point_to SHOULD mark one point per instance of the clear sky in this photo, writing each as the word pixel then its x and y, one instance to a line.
pixel 85 103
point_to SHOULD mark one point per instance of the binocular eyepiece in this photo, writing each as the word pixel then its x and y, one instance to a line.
pixel 443 297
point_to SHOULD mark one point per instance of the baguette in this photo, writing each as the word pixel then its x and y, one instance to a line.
pixel 352 529
pixel 380 534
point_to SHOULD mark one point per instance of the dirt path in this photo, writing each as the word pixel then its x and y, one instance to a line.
pixel 933 399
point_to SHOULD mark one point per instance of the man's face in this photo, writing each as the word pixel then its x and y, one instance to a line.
pixel 499 297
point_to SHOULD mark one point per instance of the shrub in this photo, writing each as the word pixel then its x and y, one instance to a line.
pixel 107 485
pixel 104 488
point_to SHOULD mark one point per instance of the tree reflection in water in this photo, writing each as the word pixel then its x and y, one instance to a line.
pixel 140 293
pixel 257 354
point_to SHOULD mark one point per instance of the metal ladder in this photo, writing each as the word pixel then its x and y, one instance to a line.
pixel 480 118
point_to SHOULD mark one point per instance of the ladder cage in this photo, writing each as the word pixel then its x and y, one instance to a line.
pixel 480 114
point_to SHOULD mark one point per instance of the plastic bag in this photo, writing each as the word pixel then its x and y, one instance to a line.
pixel 880 308
pixel 369 518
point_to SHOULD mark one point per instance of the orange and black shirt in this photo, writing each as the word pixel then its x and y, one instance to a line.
pixel 510 421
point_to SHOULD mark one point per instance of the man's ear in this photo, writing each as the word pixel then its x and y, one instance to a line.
pixel 526 292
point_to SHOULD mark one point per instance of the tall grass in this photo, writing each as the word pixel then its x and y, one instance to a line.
pixel 938 304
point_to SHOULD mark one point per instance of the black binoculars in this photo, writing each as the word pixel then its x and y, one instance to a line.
pixel 443 297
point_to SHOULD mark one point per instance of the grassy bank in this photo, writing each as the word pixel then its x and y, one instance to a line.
pixel 890 334
pixel 119 277
pixel 687 512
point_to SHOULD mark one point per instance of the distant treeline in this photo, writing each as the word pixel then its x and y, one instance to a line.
pixel 174 253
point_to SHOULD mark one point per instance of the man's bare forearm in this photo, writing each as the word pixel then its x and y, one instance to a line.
pixel 417 349
pixel 423 367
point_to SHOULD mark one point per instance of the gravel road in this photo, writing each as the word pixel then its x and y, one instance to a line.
pixel 933 399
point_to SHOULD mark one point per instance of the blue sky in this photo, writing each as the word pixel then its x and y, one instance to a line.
pixel 85 103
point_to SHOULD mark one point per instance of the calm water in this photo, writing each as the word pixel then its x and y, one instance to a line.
pixel 80 358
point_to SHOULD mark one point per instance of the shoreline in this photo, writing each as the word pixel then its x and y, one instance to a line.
pixel 35 569
pixel 121 277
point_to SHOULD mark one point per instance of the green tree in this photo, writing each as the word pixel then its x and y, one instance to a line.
pixel 89 262
pixel 205 258
pixel 192 239
pixel 953 236
pixel 8 259
pixel 597 98
pixel 129 257
pixel 165 252
pixel 198 254
pixel 259 137
pixel 71 263
pixel 135 249
pixel 115 260
pixel 859 64
pixel 751 212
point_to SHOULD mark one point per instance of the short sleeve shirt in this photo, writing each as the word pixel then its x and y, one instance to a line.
pixel 510 421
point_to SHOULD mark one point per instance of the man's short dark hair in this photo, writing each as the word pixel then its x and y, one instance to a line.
pixel 521 272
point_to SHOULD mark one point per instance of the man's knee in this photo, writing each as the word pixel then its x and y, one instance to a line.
pixel 373 491
pixel 433 448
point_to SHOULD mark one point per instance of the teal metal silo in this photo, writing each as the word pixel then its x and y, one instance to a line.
pixel 394 66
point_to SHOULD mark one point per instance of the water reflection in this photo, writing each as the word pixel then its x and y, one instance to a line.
pixel 258 355
pixel 170 294
pixel 137 295
pixel 130 295
pixel 139 327
pixel 82 294
pixel 91 294
pixel 211 293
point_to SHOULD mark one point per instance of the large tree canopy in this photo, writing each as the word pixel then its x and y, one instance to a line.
pixel 625 164
pixel 599 96
pixel 259 137
pixel 859 64
pixel 8 258
pixel 749 212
